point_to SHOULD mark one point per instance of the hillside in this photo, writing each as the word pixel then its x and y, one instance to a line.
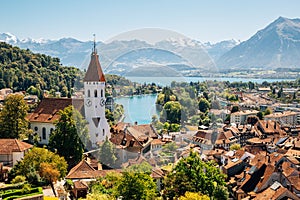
pixel 276 46
pixel 20 69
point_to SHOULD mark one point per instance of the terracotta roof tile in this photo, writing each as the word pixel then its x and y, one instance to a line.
pixel 48 108
pixel 81 171
pixel 80 185
pixel 8 146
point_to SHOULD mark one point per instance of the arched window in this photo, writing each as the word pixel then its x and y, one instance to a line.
pixel 103 132
pixel 51 130
pixel 101 93
pixel 89 93
pixel 44 133
pixel 95 93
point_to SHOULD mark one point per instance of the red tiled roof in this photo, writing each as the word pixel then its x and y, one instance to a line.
pixel 80 185
pixel 94 72
pixel 146 129
pixel 81 171
pixel 7 146
pixel 48 108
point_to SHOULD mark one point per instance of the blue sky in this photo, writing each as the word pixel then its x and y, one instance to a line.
pixel 213 20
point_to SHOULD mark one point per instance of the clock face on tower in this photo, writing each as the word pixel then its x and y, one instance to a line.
pixel 102 102
pixel 88 103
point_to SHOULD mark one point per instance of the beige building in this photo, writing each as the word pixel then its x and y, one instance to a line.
pixel 241 116
pixel 284 118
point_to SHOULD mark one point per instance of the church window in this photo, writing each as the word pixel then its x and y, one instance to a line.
pixel 95 93
pixel 44 133
pixel 103 132
pixel 51 130
pixel 101 93
pixel 89 93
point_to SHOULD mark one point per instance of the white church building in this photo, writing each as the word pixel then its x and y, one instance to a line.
pixel 92 107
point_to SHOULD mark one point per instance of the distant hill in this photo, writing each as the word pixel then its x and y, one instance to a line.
pixel 76 53
pixel 20 69
pixel 276 46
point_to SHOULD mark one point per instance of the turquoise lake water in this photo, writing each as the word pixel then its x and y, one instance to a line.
pixel 141 108
pixel 138 109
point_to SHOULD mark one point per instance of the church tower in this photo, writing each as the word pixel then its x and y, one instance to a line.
pixel 94 100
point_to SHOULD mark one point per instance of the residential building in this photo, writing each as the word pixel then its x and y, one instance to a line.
pixel 12 151
pixel 240 117
pixel 284 118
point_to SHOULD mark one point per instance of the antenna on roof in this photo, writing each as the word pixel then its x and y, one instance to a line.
pixel 94 50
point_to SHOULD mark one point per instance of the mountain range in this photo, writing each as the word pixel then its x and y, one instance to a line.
pixel 169 57
pixel 275 46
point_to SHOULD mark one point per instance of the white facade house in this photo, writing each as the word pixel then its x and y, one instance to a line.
pixel 240 118
pixel 284 118
pixel 12 151
pixel 94 101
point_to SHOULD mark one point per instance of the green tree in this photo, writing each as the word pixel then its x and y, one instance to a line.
pixel 12 117
pixel 144 167
pixel 70 136
pixel 107 153
pixel 267 111
pixel 193 175
pixel 235 108
pixel 172 112
pixel 260 115
pixel 136 186
pixel 30 166
pixel 204 105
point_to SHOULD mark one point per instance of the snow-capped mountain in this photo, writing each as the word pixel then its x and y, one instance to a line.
pixel 276 46
pixel 180 54
pixel 8 38
pixel 216 50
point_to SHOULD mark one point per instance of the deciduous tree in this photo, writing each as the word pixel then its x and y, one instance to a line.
pixel 12 117
pixel 193 175
pixel 136 186
pixel 204 105
pixel 107 153
pixel 70 136
pixel 34 163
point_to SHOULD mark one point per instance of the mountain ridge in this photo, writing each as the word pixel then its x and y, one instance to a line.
pixel 275 46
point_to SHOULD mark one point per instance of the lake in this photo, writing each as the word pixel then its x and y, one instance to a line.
pixel 163 81
pixel 141 108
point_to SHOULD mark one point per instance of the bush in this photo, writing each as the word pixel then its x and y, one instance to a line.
pixel 18 179
pixel 26 188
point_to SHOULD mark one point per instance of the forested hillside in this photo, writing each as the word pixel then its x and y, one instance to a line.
pixel 20 69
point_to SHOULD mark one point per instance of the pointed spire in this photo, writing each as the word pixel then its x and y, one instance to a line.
pixel 94 72
pixel 94 50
